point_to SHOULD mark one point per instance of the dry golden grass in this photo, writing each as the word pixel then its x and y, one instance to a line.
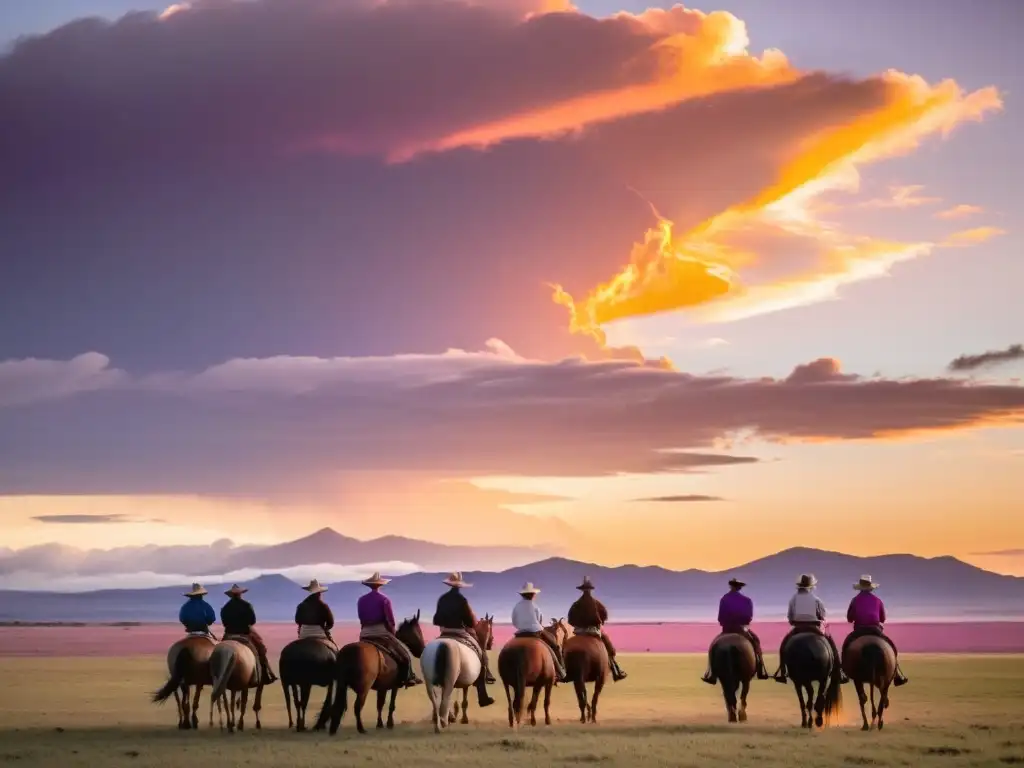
pixel 957 711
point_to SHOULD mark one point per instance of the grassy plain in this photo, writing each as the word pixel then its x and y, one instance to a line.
pixel 957 711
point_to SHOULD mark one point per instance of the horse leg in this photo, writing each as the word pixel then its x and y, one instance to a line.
pixel 883 703
pixel 357 708
pixel 511 708
pixel 465 706
pixel 257 705
pixel 598 687
pixel 243 703
pixel 803 706
pixel 195 706
pixel 229 705
pixel 325 710
pixel 581 697
pixel 382 699
pixel 729 694
pixel 744 690
pixel 547 702
pixel 301 703
pixel 453 713
pixel 863 699
pixel 288 702
pixel 391 708
pixel 819 703
pixel 533 702
pixel 434 702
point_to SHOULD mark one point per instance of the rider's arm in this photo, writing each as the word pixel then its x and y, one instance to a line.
pixel 849 613
pixel 721 612
pixel 881 612
pixel 251 614
pixel 820 607
pixel 208 614
pixel 468 617
pixel 389 615
pixel 791 611
pixel 181 614
pixel 748 613
pixel 328 617
pixel 602 612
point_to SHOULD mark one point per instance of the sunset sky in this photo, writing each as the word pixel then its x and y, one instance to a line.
pixel 638 284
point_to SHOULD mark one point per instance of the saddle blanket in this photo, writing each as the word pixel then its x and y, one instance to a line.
pixel 248 643
pixel 310 632
pixel 463 637
pixel 205 635
pixel 592 631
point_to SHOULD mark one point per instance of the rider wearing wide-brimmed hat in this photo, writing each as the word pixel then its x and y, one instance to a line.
pixel 867 614
pixel 455 617
pixel 529 622
pixel 313 615
pixel 197 615
pixel 587 616
pixel 377 624
pixel 735 612
pixel 806 613
pixel 238 618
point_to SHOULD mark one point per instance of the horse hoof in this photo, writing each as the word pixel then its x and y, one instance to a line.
pixel 880 724
pixel 819 721
pixel 259 726
pixel 391 725
pixel 732 717
pixel 742 717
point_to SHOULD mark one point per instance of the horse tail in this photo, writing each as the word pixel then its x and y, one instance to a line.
pixel 872 663
pixel 442 661
pixel 176 679
pixel 519 700
pixel 834 692
pixel 340 703
pixel 729 674
pixel 223 666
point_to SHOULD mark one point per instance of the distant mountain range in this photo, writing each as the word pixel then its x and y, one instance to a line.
pixel 914 588
pixel 324 547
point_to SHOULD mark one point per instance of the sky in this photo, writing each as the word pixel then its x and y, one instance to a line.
pixel 652 284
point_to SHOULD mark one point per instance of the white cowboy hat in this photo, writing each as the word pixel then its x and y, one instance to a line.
pixel 807 581
pixel 314 587
pixel 455 580
pixel 197 590
pixel 376 580
pixel 236 590
pixel 529 589
pixel 865 583
pixel 587 584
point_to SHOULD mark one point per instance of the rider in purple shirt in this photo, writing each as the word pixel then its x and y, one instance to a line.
pixel 377 622
pixel 735 613
pixel 867 614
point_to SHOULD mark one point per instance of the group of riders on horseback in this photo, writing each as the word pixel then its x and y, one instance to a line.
pixel 806 614
pixel 454 617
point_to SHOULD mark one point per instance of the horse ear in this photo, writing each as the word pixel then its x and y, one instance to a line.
pixel 417 615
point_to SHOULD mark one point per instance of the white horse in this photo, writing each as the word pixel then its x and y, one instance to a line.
pixel 447 664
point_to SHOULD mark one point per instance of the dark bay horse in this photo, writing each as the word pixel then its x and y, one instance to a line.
pixel 870 660
pixel 234 667
pixel 526 662
pixel 734 663
pixel 188 663
pixel 586 661
pixel 363 667
pixel 304 663
pixel 809 660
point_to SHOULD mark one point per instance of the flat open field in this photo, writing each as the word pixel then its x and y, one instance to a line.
pixel 956 711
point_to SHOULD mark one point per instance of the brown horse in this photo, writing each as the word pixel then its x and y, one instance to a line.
pixel 188 663
pixel 734 663
pixel 448 663
pixel 527 661
pixel 364 667
pixel 306 662
pixel 234 667
pixel 870 660
pixel 586 661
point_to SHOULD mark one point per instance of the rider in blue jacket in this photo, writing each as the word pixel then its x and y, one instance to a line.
pixel 196 615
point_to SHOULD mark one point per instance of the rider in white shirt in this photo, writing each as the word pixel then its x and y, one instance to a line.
pixel 529 622
pixel 806 613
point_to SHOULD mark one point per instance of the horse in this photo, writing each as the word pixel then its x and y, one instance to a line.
pixel 586 661
pixel 871 660
pixel 448 664
pixel 734 663
pixel 364 667
pixel 526 661
pixel 304 663
pixel 188 664
pixel 809 659
pixel 234 667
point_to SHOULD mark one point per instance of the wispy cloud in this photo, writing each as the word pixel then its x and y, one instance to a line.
pixel 902 197
pixel 988 358
pixel 959 212
pixel 681 499
pixel 972 236
pixel 94 519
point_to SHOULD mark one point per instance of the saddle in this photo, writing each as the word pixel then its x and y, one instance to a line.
pixel 463 637
pixel 383 646
pixel 204 635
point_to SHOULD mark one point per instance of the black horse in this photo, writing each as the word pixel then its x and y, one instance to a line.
pixel 810 659
pixel 304 663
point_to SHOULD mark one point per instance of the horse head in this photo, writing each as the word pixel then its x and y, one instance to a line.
pixel 485 632
pixel 411 633
pixel 561 630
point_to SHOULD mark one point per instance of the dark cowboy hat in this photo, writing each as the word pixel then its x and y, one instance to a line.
pixel 734 582
pixel 586 585
pixel 236 591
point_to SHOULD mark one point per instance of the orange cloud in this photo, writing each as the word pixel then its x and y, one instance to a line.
pixel 972 236
pixel 959 212
pixel 703 266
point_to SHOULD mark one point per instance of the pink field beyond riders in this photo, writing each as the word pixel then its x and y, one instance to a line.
pixel 100 640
